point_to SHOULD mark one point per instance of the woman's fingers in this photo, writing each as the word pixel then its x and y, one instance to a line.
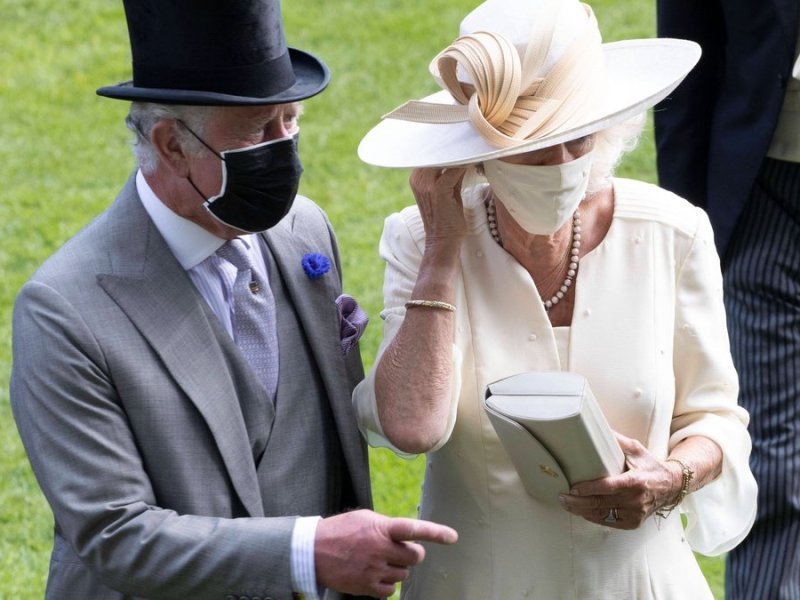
pixel 438 195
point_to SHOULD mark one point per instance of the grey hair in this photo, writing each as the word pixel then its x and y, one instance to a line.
pixel 609 147
pixel 143 116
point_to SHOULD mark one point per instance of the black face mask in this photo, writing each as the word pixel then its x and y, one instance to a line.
pixel 259 184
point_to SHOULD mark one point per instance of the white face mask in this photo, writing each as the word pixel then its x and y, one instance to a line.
pixel 540 198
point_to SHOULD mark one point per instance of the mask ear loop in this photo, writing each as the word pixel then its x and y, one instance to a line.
pixel 199 139
pixel 197 189
pixel 210 149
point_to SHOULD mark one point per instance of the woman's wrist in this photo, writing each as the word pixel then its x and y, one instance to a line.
pixel 682 478
pixel 437 277
pixel 442 250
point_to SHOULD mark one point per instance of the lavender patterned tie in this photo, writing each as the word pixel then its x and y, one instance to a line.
pixel 254 324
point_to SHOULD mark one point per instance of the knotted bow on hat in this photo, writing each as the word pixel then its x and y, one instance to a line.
pixel 508 102
pixel 525 75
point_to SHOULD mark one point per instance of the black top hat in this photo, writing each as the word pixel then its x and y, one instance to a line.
pixel 214 52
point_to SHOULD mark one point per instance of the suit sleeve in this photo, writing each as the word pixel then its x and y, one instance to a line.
pixel 87 462
pixel 684 119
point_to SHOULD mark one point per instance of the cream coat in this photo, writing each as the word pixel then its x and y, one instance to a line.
pixel 649 334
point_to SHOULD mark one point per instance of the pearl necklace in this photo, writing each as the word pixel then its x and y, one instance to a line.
pixel 574 252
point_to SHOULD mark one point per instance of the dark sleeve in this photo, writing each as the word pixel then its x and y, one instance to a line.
pixel 683 120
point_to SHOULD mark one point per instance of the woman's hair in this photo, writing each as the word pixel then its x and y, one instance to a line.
pixel 609 146
pixel 144 115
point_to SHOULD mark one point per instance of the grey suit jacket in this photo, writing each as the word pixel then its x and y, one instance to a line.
pixel 126 392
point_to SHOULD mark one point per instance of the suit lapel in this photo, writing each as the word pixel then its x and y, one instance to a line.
pixel 154 291
pixel 314 301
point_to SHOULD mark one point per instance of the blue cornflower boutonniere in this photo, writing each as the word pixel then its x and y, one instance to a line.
pixel 316 265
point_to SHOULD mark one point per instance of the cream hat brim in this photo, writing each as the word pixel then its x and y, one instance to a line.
pixel 641 73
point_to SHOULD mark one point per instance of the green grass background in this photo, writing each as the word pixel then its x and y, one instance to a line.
pixel 64 153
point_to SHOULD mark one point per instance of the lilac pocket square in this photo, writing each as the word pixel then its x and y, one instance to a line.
pixel 352 321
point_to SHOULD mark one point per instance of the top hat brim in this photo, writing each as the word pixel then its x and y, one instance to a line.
pixel 641 73
pixel 311 77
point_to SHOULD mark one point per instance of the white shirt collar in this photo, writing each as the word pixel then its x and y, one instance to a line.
pixel 189 243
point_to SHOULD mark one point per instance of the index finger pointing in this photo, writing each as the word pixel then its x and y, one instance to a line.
pixel 401 530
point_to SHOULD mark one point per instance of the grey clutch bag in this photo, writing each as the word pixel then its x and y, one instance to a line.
pixel 553 431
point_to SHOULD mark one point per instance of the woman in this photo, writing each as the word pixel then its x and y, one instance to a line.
pixel 523 254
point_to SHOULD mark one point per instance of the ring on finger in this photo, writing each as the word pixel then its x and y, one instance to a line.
pixel 612 516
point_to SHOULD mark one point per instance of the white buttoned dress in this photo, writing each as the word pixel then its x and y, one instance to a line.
pixel 649 333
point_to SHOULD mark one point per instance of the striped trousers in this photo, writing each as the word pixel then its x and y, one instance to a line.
pixel 762 300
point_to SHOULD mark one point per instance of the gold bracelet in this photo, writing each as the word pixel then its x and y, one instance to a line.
pixel 431 304
pixel 687 475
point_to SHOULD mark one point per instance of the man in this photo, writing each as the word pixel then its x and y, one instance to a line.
pixel 729 140
pixel 183 387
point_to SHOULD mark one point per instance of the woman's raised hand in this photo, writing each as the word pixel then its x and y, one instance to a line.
pixel 438 195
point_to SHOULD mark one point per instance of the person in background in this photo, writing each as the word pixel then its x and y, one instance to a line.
pixel 183 367
pixel 728 140
pixel 523 254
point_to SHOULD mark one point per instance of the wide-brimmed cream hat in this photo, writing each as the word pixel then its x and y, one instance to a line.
pixel 525 75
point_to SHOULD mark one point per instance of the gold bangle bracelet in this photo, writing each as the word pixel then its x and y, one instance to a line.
pixel 687 475
pixel 431 304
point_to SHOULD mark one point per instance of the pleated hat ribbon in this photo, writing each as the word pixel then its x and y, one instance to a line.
pixel 508 101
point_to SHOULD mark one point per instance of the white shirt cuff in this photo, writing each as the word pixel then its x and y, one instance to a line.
pixel 304 578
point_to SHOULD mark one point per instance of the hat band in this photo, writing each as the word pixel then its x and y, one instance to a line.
pixel 507 104
pixel 261 80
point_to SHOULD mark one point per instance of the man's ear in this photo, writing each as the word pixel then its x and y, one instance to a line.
pixel 164 137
